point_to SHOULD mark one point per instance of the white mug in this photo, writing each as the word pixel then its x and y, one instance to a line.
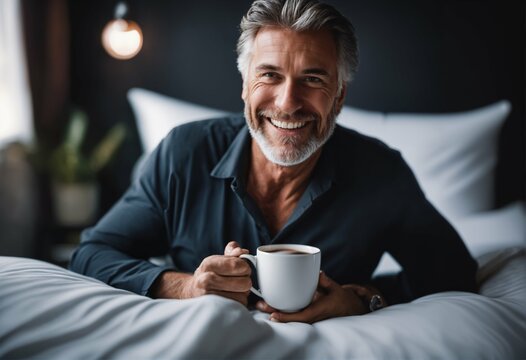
pixel 287 274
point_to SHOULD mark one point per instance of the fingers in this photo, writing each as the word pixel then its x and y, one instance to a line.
pixel 263 306
pixel 222 274
pixel 234 249
pixel 312 313
pixel 230 247
pixel 307 315
pixel 209 281
pixel 225 266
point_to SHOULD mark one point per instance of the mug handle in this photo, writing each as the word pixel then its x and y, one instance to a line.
pixel 253 260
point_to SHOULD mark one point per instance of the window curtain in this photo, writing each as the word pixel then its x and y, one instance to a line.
pixel 46 30
pixel 16 123
pixel 34 101
pixel 18 187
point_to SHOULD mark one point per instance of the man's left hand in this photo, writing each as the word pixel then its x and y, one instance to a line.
pixel 330 300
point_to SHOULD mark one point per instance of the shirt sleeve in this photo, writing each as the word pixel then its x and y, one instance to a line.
pixel 433 256
pixel 117 249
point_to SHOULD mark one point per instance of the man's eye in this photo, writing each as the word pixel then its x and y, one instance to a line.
pixel 269 75
pixel 313 79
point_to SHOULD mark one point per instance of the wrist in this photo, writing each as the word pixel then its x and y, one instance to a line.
pixel 356 304
pixel 170 285
pixel 370 297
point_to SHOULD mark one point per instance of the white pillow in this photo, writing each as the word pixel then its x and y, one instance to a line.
pixel 489 231
pixel 452 155
pixel 156 115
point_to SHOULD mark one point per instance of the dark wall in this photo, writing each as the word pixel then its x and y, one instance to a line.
pixel 416 56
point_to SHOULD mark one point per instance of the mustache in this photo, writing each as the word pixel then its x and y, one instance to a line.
pixel 299 115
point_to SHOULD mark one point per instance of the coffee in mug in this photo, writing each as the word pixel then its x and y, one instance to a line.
pixel 287 274
pixel 287 251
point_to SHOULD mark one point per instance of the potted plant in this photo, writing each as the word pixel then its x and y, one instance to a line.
pixel 74 175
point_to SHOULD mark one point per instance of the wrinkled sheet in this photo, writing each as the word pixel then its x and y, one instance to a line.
pixel 50 313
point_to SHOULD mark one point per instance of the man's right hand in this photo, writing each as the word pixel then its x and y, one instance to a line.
pixel 225 275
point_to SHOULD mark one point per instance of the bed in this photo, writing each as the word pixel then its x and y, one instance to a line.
pixel 49 312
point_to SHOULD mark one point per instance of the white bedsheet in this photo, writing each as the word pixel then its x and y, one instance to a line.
pixel 48 312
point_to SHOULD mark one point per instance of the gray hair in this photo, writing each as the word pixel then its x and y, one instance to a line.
pixel 299 15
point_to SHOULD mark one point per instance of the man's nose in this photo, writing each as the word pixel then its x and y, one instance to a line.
pixel 288 98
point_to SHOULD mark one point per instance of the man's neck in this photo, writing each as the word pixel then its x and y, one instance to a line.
pixel 270 178
pixel 277 189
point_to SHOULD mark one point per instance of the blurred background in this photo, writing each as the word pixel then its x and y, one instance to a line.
pixel 65 118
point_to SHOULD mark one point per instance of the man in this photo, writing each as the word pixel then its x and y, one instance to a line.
pixel 285 173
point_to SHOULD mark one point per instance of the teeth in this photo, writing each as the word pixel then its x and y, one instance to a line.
pixel 287 124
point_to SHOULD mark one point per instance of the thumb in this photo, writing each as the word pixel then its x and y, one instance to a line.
pixel 234 249
pixel 229 248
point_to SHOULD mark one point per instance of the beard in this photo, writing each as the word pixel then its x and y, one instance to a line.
pixel 290 150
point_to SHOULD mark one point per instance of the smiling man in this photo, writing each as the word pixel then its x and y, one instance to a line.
pixel 283 173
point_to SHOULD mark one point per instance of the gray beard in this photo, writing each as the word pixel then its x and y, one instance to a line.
pixel 300 152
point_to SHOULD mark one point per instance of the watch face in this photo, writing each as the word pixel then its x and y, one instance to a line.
pixel 376 303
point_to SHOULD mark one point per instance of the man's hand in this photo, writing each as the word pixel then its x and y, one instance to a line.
pixel 330 300
pixel 225 275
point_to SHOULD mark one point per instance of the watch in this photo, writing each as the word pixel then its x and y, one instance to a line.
pixel 376 303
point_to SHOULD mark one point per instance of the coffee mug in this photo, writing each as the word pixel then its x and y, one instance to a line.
pixel 287 274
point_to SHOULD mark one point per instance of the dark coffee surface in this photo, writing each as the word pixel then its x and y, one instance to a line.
pixel 287 251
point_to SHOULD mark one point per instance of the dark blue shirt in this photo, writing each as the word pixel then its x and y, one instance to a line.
pixel 191 200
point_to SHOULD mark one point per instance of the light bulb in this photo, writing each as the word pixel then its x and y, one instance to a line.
pixel 122 39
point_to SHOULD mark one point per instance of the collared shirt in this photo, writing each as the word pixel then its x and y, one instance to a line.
pixel 191 200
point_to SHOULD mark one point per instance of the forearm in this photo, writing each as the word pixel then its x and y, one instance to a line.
pixel 115 268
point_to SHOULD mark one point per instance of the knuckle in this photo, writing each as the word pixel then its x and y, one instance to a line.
pixel 229 265
pixel 205 264
pixel 246 285
pixel 242 267
pixel 235 265
pixel 208 263
pixel 248 269
pixel 205 280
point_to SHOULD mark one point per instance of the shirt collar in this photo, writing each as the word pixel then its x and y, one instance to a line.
pixel 234 162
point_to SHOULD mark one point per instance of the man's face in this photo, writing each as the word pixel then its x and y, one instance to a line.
pixel 291 93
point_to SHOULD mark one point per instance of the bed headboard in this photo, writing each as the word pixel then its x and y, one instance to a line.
pixel 416 56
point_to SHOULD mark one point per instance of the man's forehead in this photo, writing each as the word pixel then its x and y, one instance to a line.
pixel 317 46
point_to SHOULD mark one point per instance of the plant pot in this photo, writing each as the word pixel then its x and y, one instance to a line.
pixel 75 204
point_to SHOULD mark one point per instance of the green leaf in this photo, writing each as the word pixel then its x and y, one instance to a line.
pixel 104 151
pixel 76 130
